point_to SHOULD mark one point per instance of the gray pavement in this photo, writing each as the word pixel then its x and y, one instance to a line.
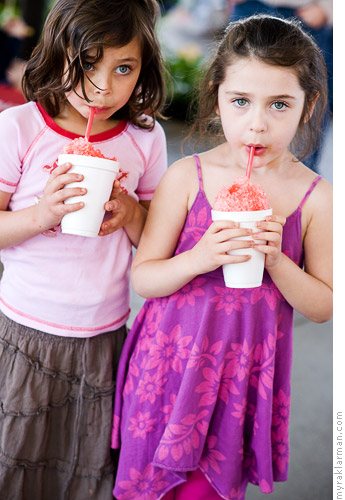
pixel 310 475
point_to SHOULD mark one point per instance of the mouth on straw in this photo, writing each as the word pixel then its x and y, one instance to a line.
pixel 250 162
pixel 89 123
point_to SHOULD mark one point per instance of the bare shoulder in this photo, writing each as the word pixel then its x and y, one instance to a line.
pixel 181 179
pixel 317 210
pixel 321 198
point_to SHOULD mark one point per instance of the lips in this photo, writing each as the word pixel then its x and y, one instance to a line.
pixel 99 110
pixel 259 149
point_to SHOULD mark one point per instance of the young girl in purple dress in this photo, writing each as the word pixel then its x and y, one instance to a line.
pixel 203 396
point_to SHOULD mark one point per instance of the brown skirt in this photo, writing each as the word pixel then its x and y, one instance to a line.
pixel 56 397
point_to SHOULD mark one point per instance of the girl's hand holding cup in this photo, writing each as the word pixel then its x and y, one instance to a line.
pixel 211 250
pixel 51 207
pixel 272 233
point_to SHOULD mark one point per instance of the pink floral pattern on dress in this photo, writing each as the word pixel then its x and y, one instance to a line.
pixel 228 299
pixel 211 456
pixel 167 409
pixel 142 424
pixel 199 356
pixel 240 411
pixel 180 439
pixel 188 293
pixel 241 358
pixel 150 387
pixel 133 371
pixel 169 351
pixel 265 487
pixel 195 225
pixel 280 448
pixel 281 409
pixel 268 292
pixel 262 372
pixel 216 384
pixel 143 486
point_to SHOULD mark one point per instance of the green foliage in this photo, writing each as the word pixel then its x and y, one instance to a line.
pixel 183 75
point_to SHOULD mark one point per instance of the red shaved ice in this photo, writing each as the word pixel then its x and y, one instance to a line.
pixel 241 196
pixel 81 146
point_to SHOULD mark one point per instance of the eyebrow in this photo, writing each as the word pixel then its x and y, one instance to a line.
pixel 245 94
pixel 127 59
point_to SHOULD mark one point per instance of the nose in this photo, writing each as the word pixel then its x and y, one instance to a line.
pixel 102 85
pixel 258 122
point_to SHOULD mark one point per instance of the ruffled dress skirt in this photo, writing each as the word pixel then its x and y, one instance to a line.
pixel 56 397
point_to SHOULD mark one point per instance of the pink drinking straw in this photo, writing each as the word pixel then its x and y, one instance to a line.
pixel 89 123
pixel 250 161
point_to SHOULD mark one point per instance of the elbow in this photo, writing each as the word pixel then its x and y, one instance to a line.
pixel 323 314
pixel 323 318
pixel 139 284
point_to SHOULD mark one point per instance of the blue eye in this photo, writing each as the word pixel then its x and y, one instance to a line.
pixel 88 66
pixel 279 105
pixel 123 70
pixel 240 102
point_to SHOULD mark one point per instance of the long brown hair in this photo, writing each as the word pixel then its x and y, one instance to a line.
pixel 278 42
pixel 75 27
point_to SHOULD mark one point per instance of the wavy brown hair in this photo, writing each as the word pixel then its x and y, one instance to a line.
pixel 278 42
pixel 74 28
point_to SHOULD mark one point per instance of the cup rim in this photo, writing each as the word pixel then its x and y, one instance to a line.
pixel 244 216
pixel 89 161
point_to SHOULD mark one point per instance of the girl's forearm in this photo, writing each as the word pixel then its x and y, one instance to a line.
pixel 308 295
pixel 159 278
pixel 18 226
pixel 135 227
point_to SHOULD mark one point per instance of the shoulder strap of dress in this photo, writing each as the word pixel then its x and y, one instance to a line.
pixel 310 190
pixel 198 167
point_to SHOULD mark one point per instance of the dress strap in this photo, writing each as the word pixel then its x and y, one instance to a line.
pixel 310 190
pixel 198 167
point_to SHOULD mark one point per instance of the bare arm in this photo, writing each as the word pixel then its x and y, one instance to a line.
pixel 155 271
pixel 309 291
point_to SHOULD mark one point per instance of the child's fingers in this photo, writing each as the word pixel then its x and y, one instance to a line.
pixel 234 259
pixel 230 245
pixel 63 194
pixel 272 222
pixel 269 236
pixel 112 224
pixel 228 234
pixel 58 182
pixel 219 225
pixel 70 207
pixel 267 249
pixel 61 169
pixel 112 205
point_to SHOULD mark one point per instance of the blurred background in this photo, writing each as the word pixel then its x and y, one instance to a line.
pixel 187 30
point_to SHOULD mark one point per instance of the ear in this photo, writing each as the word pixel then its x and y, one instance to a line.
pixel 311 107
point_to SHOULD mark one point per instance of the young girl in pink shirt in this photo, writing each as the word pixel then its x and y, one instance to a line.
pixel 64 299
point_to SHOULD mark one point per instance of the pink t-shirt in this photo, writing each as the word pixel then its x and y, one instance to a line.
pixel 58 283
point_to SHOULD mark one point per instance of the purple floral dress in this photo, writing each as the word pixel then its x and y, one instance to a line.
pixel 204 380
